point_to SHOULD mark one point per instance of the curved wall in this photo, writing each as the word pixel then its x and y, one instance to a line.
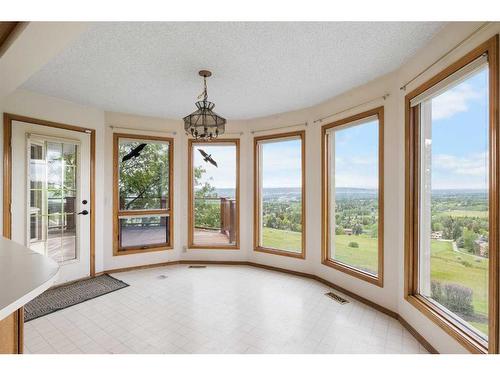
pixel 391 295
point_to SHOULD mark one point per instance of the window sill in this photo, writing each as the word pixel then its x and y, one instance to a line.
pixel 465 338
pixel 213 247
pixel 290 254
pixel 142 250
pixel 365 276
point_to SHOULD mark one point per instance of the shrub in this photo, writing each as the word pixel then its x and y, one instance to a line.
pixel 456 298
pixel 436 291
pixel 353 244
pixel 466 263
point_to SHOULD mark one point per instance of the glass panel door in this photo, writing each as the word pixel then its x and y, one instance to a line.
pixel 52 183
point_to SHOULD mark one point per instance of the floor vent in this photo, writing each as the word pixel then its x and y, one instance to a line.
pixel 197 266
pixel 337 298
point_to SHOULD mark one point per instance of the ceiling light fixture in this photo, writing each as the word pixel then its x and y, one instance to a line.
pixel 204 124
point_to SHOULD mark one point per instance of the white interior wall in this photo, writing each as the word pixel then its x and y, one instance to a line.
pixel 391 296
pixel 30 104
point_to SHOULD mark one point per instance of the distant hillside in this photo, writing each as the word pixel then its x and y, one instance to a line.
pixel 346 193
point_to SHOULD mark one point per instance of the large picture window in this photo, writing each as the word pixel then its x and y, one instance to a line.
pixel 279 194
pixel 214 194
pixel 142 193
pixel 353 198
pixel 452 199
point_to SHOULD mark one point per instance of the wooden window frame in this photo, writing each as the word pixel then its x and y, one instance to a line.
pixel 378 279
pixel 116 197
pixel 427 308
pixel 301 134
pixel 191 244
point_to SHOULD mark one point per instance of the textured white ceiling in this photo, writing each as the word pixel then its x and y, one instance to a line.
pixel 258 68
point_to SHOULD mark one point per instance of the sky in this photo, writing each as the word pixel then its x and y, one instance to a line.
pixel 282 165
pixel 356 156
pixel 224 175
pixel 459 147
pixel 459 141
pixel 460 135
pixel 281 160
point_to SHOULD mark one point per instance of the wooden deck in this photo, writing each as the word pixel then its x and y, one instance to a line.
pixel 210 237
pixel 59 249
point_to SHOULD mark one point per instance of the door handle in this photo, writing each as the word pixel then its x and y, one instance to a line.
pixel 84 212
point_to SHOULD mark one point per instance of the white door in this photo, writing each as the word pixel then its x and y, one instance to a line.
pixel 50 195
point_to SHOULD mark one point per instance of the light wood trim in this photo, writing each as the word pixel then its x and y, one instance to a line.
pixel 191 244
pixel 353 295
pixel 8 120
pixel 92 203
pixel 463 336
pixel 7 175
pixel 300 134
pixel 11 333
pixel 378 279
pixel 142 137
pixel 20 331
pixel 116 196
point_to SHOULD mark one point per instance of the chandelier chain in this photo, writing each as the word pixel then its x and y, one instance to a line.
pixel 204 124
pixel 204 93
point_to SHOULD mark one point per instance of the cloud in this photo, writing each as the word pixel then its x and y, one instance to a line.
pixel 454 101
pixel 360 160
pixel 356 180
pixel 357 171
pixel 471 165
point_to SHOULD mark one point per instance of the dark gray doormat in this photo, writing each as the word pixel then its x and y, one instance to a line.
pixel 64 296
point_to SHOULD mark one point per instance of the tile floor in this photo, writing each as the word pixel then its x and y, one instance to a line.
pixel 218 309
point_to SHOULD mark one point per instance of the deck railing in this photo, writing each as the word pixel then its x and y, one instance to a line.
pixel 226 219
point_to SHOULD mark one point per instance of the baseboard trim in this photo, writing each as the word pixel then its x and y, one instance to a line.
pixel 353 295
pixel 134 268
pixel 417 335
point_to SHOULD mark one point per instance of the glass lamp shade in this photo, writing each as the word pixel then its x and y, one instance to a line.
pixel 203 123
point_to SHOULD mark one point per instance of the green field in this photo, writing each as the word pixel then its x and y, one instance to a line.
pixel 471 271
pixel 447 266
pixel 365 257
pixel 282 239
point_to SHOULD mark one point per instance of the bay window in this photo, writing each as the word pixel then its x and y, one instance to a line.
pixel 452 199
pixel 142 204
pixel 353 198
pixel 279 188
pixel 213 194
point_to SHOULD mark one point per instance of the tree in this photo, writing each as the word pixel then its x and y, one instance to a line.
pixel 357 229
pixel 202 190
pixel 144 180
pixel 339 230
pixel 469 237
pixel 206 212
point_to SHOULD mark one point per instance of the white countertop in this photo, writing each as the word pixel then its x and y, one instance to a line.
pixel 24 274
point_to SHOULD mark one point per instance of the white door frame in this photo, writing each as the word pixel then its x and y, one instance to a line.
pixel 9 120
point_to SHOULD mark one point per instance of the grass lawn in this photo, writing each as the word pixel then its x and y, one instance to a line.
pixel 364 257
pixel 282 239
pixel 448 266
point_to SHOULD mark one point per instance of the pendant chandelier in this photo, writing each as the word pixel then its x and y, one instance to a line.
pixel 204 124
